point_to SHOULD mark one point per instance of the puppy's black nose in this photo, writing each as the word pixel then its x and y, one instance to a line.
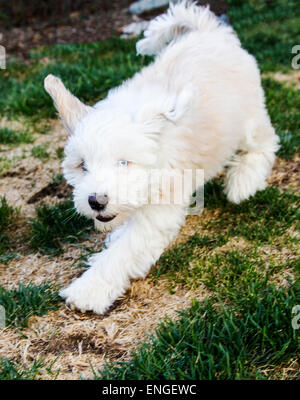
pixel 98 202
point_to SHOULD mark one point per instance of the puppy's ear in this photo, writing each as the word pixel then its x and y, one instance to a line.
pixel 172 109
pixel 70 109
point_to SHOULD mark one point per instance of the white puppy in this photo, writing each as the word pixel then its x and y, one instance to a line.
pixel 197 105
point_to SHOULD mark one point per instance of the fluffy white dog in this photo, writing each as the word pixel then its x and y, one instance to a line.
pixel 199 105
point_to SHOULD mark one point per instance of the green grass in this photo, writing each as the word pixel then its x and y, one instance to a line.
pixel 261 219
pixel 10 370
pixel 9 136
pixel 192 263
pixel 89 70
pixel 7 214
pixel 283 104
pixel 26 301
pixel 268 30
pixel 60 153
pixel 233 272
pixel 40 152
pixel 56 225
pixel 215 340
pixel 57 178
pixel 176 260
pixel 244 330
pixel 7 217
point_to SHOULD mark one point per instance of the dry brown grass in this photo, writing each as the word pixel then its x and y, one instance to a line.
pixel 286 173
pixel 81 340
pixel 291 79
pixel 76 341
pixel 31 174
pixel 38 268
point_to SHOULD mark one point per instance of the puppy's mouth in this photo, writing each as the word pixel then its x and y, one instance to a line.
pixel 103 218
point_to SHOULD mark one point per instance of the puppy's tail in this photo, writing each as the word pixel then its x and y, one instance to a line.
pixel 180 18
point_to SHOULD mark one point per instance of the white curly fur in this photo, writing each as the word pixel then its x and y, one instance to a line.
pixel 197 105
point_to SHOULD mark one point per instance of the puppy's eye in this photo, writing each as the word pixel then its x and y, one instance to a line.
pixel 82 166
pixel 123 163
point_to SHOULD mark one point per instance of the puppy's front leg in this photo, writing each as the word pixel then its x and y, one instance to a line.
pixel 130 254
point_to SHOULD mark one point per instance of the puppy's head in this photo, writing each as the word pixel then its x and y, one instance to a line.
pixel 109 154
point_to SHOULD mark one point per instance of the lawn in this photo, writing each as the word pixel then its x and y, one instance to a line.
pixel 218 304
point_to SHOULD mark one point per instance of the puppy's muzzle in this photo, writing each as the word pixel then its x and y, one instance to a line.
pixel 98 202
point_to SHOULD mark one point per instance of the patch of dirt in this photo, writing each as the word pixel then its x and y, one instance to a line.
pixel 53 13
pixel 59 270
pixel 282 252
pixel 195 224
pixel 286 173
pixel 79 340
pixel 20 172
pixel 78 28
pixel 89 24
pixel 291 79
pixel 234 243
pixel 288 370
pixel 60 190
pixel 29 179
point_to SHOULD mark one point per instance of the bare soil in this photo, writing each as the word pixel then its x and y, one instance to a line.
pixel 90 23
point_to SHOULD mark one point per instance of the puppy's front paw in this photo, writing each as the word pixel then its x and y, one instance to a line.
pixel 52 83
pixel 88 294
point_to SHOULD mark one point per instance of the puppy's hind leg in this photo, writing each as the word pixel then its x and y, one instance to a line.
pixel 249 170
